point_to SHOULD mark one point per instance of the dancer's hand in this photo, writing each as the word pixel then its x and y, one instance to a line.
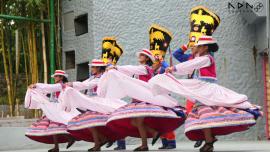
pixel 169 69
pixel 184 47
pixel 70 84
pixel 32 86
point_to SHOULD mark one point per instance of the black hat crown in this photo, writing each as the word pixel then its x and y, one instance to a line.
pixel 202 22
pixel 111 50
pixel 160 39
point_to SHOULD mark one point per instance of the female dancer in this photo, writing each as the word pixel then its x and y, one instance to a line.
pixel 51 128
pixel 181 56
pixel 217 110
pixel 91 124
pixel 167 139
pixel 141 118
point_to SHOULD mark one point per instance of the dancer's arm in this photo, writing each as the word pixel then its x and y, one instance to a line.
pixel 47 88
pixel 164 65
pixel 189 66
pixel 131 70
pixel 86 84
pixel 180 54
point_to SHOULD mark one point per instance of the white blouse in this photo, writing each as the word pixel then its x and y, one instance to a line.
pixel 49 88
pixel 131 70
pixel 189 66
pixel 89 83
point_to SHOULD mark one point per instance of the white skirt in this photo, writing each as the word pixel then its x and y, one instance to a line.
pixel 210 94
pixel 71 98
pixel 115 84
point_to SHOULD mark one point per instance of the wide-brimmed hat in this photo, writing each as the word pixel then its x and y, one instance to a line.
pixel 147 53
pixel 59 72
pixel 97 63
pixel 208 40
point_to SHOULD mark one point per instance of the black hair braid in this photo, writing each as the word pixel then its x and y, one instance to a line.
pixel 102 69
pixel 149 62
pixel 65 79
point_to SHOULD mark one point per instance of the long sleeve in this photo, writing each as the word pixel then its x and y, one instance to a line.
pixel 86 84
pixel 164 65
pixel 131 70
pixel 48 88
pixel 189 66
pixel 180 55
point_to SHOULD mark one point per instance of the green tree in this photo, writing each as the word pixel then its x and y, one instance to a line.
pixel 29 56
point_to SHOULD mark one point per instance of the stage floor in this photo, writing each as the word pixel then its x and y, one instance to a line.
pixel 222 146
pixel 12 139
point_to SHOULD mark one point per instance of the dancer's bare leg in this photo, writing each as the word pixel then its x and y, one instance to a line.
pixel 95 135
pixel 101 137
pixel 151 130
pixel 56 145
pixel 140 121
pixel 134 122
pixel 142 131
pixel 209 141
pixel 208 135
pixel 105 140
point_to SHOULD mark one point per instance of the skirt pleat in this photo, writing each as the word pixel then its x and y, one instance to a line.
pixel 161 119
pixel 221 121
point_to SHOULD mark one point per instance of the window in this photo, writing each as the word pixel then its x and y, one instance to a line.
pixel 81 24
pixel 70 59
pixel 68 23
pixel 82 71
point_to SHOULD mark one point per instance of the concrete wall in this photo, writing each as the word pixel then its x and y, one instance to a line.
pixel 83 44
pixel 238 63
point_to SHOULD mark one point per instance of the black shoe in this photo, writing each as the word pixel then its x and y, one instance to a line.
pixel 141 149
pixel 119 148
pixel 54 150
pixel 155 139
pixel 109 144
pixel 70 143
pixel 208 147
pixel 198 144
pixel 94 149
pixel 170 147
pixel 162 147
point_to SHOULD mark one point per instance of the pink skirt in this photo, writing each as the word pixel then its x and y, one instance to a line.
pixel 221 120
pixel 44 129
pixel 161 119
pixel 79 126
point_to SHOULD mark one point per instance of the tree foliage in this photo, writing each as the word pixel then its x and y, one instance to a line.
pixel 24 45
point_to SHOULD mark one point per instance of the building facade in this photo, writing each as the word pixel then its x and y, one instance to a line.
pixel 243 37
